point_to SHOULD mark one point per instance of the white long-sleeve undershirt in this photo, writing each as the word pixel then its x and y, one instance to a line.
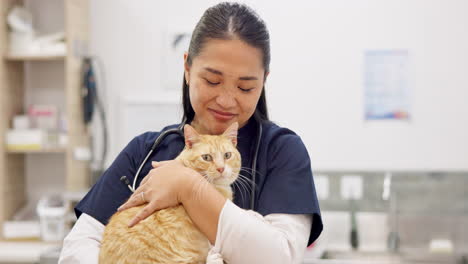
pixel 243 236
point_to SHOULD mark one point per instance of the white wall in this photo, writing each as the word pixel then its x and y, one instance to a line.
pixel 316 81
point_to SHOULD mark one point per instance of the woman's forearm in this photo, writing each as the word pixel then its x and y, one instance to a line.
pixel 203 204
pixel 245 236
pixel 82 244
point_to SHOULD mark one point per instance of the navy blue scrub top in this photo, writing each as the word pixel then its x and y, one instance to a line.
pixel 284 181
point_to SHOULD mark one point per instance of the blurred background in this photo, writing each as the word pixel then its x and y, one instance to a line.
pixel 376 90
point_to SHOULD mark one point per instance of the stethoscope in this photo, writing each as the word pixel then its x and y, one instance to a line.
pixel 180 131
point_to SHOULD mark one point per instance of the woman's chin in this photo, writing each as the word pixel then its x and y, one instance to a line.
pixel 218 128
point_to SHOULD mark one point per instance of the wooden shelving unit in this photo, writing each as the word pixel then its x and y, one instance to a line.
pixel 12 92
pixel 34 57
pixel 31 151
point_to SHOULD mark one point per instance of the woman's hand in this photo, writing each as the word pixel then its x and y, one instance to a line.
pixel 161 188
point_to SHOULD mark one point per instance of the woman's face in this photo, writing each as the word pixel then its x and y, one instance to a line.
pixel 225 80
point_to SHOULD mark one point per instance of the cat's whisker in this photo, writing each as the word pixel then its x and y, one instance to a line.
pixel 246 183
pixel 198 187
pixel 245 176
pixel 246 170
pixel 242 178
pixel 245 188
pixel 241 189
pixel 247 180
pixel 242 184
pixel 250 170
pixel 234 184
pixel 242 170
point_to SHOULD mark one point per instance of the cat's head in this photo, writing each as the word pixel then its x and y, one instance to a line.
pixel 214 156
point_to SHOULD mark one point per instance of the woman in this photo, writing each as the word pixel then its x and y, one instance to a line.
pixel 225 71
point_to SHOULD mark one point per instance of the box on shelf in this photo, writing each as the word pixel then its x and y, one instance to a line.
pixel 35 139
pixel 21 230
pixel 44 117
pixel 21 122
pixel 26 139
pixel 23 225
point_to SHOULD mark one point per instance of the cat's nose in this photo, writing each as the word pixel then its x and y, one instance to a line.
pixel 220 170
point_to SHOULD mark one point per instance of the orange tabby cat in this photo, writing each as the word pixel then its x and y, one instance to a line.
pixel 169 235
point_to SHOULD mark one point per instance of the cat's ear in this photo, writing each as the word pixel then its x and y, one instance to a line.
pixel 231 133
pixel 191 136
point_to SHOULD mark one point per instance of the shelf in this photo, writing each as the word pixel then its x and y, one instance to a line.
pixel 34 57
pixel 24 251
pixel 47 150
pixel 20 74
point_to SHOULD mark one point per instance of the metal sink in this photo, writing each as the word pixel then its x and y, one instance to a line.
pixel 360 257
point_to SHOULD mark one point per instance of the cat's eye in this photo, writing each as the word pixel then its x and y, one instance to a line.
pixel 227 155
pixel 207 157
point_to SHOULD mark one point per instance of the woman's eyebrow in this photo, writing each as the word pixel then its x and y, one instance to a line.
pixel 244 78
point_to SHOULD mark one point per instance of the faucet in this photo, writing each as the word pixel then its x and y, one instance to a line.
pixel 393 239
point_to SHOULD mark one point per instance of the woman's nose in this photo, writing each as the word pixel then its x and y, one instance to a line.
pixel 226 100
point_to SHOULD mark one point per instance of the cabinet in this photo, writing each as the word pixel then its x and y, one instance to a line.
pixel 67 68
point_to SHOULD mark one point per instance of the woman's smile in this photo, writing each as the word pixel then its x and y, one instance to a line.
pixel 222 116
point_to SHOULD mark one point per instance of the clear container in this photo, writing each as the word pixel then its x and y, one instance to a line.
pixel 52 217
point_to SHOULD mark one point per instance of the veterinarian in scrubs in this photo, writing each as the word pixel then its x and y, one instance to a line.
pixel 226 68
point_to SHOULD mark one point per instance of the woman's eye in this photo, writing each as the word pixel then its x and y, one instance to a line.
pixel 227 155
pixel 212 83
pixel 245 90
pixel 207 157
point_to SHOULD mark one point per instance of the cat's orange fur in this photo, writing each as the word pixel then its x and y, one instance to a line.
pixel 169 235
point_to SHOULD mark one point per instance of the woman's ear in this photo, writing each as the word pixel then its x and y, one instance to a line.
pixel 191 136
pixel 231 133
pixel 186 68
pixel 265 76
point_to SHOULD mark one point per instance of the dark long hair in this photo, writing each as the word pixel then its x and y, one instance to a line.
pixel 229 21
